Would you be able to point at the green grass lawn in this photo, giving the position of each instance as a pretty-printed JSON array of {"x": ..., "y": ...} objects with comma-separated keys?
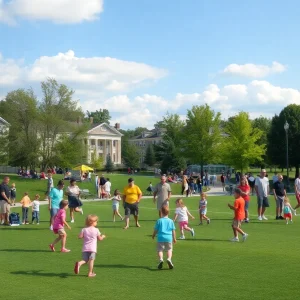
[{"x": 206, "y": 267}]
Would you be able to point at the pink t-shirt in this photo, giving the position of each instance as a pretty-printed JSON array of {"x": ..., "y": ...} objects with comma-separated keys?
[
  {"x": 59, "y": 219},
  {"x": 90, "y": 235}
]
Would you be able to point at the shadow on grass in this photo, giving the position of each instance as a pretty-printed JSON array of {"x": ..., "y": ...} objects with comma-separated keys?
[
  {"x": 202, "y": 240},
  {"x": 40, "y": 274},
  {"x": 24, "y": 250},
  {"x": 121, "y": 266},
  {"x": 25, "y": 227}
]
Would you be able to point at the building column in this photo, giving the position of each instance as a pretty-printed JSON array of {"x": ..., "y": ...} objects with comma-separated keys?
[
  {"x": 119, "y": 152},
  {"x": 104, "y": 152},
  {"x": 112, "y": 150}
]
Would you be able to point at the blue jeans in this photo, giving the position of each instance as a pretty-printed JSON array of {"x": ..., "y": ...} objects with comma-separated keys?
[
  {"x": 36, "y": 216},
  {"x": 199, "y": 186},
  {"x": 25, "y": 214}
]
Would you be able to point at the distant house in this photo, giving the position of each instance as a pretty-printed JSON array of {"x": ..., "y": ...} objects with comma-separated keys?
[
  {"x": 104, "y": 140},
  {"x": 142, "y": 141},
  {"x": 3, "y": 125}
]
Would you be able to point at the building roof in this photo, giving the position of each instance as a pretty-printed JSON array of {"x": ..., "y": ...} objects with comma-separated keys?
[
  {"x": 98, "y": 129},
  {"x": 151, "y": 134}
]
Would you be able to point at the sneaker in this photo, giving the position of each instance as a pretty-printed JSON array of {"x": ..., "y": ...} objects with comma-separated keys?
[
  {"x": 92, "y": 275},
  {"x": 81, "y": 211},
  {"x": 51, "y": 227},
  {"x": 72, "y": 221},
  {"x": 259, "y": 218},
  {"x": 37, "y": 223},
  {"x": 208, "y": 221},
  {"x": 52, "y": 247},
  {"x": 200, "y": 223},
  {"x": 2, "y": 222},
  {"x": 64, "y": 250},
  {"x": 170, "y": 264},
  {"x": 193, "y": 232},
  {"x": 295, "y": 212},
  {"x": 160, "y": 264},
  {"x": 264, "y": 218},
  {"x": 246, "y": 220},
  {"x": 234, "y": 239},
  {"x": 281, "y": 218},
  {"x": 182, "y": 238},
  {"x": 245, "y": 237},
  {"x": 277, "y": 218},
  {"x": 76, "y": 268}
]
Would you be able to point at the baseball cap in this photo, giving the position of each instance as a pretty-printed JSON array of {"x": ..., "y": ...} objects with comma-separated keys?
[{"x": 130, "y": 179}]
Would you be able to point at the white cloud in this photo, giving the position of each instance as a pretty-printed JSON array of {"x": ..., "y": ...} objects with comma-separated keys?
[
  {"x": 104, "y": 73},
  {"x": 253, "y": 71},
  {"x": 58, "y": 11}
]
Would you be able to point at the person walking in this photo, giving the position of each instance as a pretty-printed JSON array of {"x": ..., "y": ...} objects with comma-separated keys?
[
  {"x": 55, "y": 196},
  {"x": 73, "y": 193},
  {"x": 297, "y": 192},
  {"x": 132, "y": 195},
  {"x": 262, "y": 190},
  {"x": 279, "y": 192},
  {"x": 161, "y": 195}
]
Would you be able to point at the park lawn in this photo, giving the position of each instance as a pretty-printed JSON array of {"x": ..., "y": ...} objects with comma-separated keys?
[
  {"x": 37, "y": 186},
  {"x": 206, "y": 267}
]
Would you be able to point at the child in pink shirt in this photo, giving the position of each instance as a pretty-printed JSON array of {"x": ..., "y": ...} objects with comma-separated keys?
[
  {"x": 58, "y": 227},
  {"x": 90, "y": 236}
]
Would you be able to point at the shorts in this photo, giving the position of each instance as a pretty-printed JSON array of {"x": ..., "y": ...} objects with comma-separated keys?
[
  {"x": 4, "y": 207},
  {"x": 279, "y": 201},
  {"x": 115, "y": 207},
  {"x": 262, "y": 202},
  {"x": 164, "y": 246},
  {"x": 74, "y": 202},
  {"x": 288, "y": 216},
  {"x": 59, "y": 231},
  {"x": 246, "y": 204},
  {"x": 203, "y": 212},
  {"x": 53, "y": 211},
  {"x": 160, "y": 204},
  {"x": 298, "y": 197},
  {"x": 236, "y": 223},
  {"x": 183, "y": 224},
  {"x": 86, "y": 256},
  {"x": 131, "y": 209}
]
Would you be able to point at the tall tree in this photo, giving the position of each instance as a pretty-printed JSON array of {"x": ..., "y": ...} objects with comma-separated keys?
[
  {"x": 240, "y": 147},
  {"x": 277, "y": 138},
  {"x": 202, "y": 137},
  {"x": 99, "y": 116},
  {"x": 97, "y": 161},
  {"x": 150, "y": 156},
  {"x": 109, "y": 165},
  {"x": 130, "y": 154},
  {"x": 57, "y": 113}
]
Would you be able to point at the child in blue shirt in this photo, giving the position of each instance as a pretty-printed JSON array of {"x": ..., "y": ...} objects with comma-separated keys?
[{"x": 166, "y": 237}]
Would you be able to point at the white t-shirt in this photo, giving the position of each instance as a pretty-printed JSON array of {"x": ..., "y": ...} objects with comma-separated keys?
[
  {"x": 202, "y": 204},
  {"x": 297, "y": 184},
  {"x": 36, "y": 205},
  {"x": 182, "y": 214},
  {"x": 262, "y": 186},
  {"x": 107, "y": 186},
  {"x": 116, "y": 200}
]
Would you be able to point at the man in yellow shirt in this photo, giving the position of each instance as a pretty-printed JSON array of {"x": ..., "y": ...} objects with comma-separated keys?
[{"x": 131, "y": 198}]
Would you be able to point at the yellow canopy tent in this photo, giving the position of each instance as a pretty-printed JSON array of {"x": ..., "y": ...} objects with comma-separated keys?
[{"x": 83, "y": 168}]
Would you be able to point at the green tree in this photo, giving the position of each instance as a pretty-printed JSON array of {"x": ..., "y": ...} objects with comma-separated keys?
[
  {"x": 277, "y": 137},
  {"x": 97, "y": 161},
  {"x": 130, "y": 154},
  {"x": 202, "y": 136},
  {"x": 99, "y": 116},
  {"x": 109, "y": 165},
  {"x": 240, "y": 147},
  {"x": 150, "y": 156}
]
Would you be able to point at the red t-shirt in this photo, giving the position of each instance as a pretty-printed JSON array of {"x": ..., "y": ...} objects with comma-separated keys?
[
  {"x": 245, "y": 189},
  {"x": 239, "y": 205}
]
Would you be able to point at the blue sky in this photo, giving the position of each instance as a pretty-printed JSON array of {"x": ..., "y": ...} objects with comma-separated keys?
[{"x": 140, "y": 59}]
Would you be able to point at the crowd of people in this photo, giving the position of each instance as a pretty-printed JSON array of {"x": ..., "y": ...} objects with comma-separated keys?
[{"x": 131, "y": 196}]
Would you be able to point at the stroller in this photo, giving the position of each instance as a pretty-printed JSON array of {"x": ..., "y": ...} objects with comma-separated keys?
[{"x": 14, "y": 219}]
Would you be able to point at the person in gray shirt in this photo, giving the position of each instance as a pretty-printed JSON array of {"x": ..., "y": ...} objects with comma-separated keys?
[
  {"x": 161, "y": 194},
  {"x": 262, "y": 191}
]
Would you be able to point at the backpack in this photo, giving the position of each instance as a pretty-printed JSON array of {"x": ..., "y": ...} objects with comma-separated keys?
[{"x": 14, "y": 219}]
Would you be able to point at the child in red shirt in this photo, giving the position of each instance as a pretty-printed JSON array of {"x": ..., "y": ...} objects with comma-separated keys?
[{"x": 239, "y": 215}]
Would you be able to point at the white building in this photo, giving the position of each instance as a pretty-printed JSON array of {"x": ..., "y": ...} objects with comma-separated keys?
[{"x": 105, "y": 140}]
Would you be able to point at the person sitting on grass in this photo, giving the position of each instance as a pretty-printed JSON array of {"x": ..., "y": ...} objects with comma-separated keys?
[
  {"x": 58, "y": 227},
  {"x": 165, "y": 231},
  {"x": 239, "y": 215},
  {"x": 26, "y": 202},
  {"x": 182, "y": 214},
  {"x": 90, "y": 235}
]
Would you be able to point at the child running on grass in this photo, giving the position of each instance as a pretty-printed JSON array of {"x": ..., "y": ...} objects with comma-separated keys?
[
  {"x": 287, "y": 210},
  {"x": 182, "y": 214},
  {"x": 239, "y": 215},
  {"x": 203, "y": 209},
  {"x": 58, "y": 227},
  {"x": 90, "y": 235},
  {"x": 36, "y": 209},
  {"x": 25, "y": 208},
  {"x": 165, "y": 231},
  {"x": 115, "y": 205}
]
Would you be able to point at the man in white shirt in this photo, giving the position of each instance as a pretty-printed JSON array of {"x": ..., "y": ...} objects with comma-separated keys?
[
  {"x": 262, "y": 191},
  {"x": 297, "y": 191}
]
